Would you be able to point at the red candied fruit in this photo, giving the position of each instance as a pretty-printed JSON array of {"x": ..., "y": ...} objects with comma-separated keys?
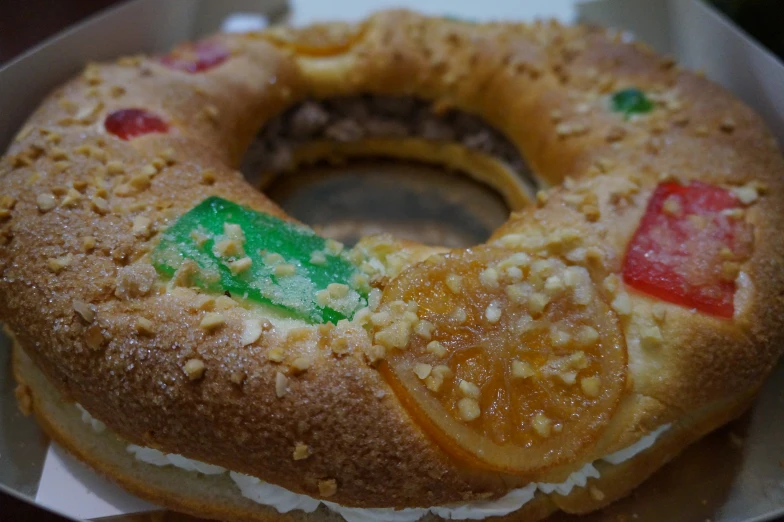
[
  {"x": 688, "y": 247},
  {"x": 196, "y": 57},
  {"x": 130, "y": 123}
]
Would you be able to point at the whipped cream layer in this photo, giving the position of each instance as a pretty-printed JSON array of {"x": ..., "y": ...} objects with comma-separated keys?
[{"x": 284, "y": 500}]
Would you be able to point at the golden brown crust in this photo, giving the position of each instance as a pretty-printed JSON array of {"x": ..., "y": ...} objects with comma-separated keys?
[
  {"x": 192, "y": 493},
  {"x": 214, "y": 496},
  {"x": 616, "y": 481},
  {"x": 544, "y": 86}
]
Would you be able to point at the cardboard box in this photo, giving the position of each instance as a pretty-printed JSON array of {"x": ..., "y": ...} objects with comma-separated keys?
[{"x": 732, "y": 475}]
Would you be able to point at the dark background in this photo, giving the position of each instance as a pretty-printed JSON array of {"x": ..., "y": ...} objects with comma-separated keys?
[
  {"x": 761, "y": 18},
  {"x": 24, "y": 23}
]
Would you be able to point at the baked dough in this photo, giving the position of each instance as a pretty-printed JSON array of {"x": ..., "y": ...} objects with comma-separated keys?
[{"x": 82, "y": 210}]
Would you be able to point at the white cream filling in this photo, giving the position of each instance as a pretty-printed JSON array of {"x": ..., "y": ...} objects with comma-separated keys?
[
  {"x": 158, "y": 458},
  {"x": 638, "y": 447},
  {"x": 97, "y": 425},
  {"x": 284, "y": 500},
  {"x": 577, "y": 478}
]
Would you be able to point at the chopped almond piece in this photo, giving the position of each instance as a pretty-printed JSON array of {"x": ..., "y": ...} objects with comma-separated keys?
[
  {"x": 301, "y": 451},
  {"x": 281, "y": 385},
  {"x": 251, "y": 331},
  {"x": 84, "y": 310},
  {"x": 327, "y": 488},
  {"x": 422, "y": 370},
  {"x": 285, "y": 270},
  {"x": 58, "y": 264},
  {"x": 46, "y": 201},
  {"x": 469, "y": 409},
  {"x": 194, "y": 369},
  {"x": 241, "y": 265},
  {"x": 301, "y": 364},
  {"x": 212, "y": 320},
  {"x": 522, "y": 370},
  {"x": 144, "y": 326}
]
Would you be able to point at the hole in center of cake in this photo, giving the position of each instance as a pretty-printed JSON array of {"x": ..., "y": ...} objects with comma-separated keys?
[
  {"x": 305, "y": 158},
  {"x": 413, "y": 201}
]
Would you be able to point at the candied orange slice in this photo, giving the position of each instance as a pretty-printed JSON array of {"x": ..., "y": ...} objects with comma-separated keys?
[
  {"x": 509, "y": 361},
  {"x": 326, "y": 39}
]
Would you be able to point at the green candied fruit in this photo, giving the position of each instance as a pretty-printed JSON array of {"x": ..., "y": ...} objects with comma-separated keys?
[
  {"x": 631, "y": 101},
  {"x": 258, "y": 257}
]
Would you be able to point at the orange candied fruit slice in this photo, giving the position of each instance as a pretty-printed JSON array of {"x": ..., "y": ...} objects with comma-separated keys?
[
  {"x": 509, "y": 361},
  {"x": 326, "y": 39}
]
